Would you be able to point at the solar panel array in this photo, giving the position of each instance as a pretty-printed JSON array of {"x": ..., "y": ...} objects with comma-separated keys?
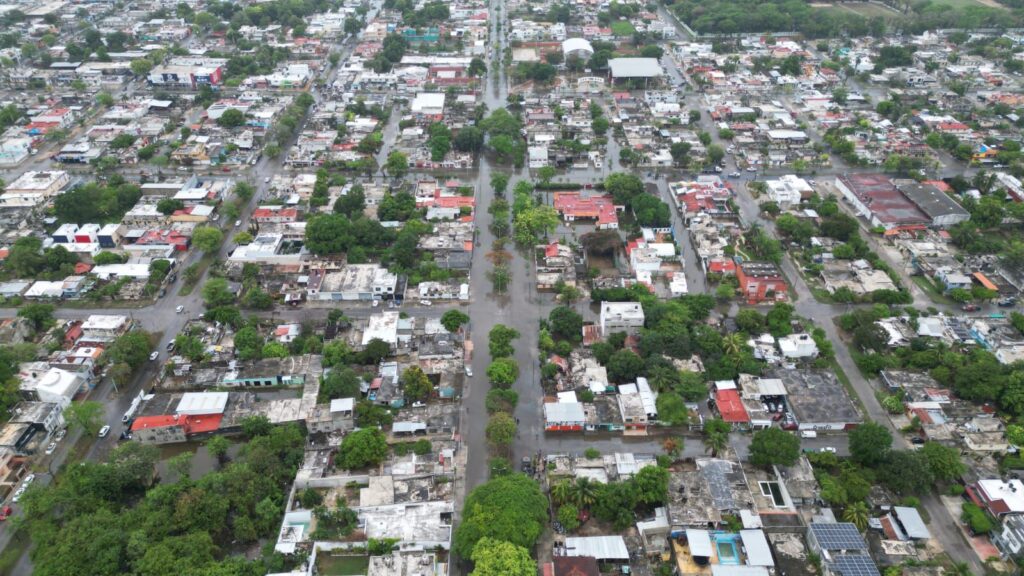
[
  {"x": 854, "y": 565},
  {"x": 839, "y": 536}
]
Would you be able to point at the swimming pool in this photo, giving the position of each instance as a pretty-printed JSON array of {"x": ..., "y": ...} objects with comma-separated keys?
[{"x": 725, "y": 545}]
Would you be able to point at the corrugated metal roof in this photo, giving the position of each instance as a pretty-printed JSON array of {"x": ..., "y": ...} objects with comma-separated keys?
[
  {"x": 635, "y": 67},
  {"x": 911, "y": 521},
  {"x": 564, "y": 412},
  {"x": 727, "y": 570},
  {"x": 756, "y": 547},
  {"x": 700, "y": 542},
  {"x": 600, "y": 547},
  {"x": 399, "y": 427}
]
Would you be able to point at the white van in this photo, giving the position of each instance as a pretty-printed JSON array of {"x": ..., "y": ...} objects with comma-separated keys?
[{"x": 808, "y": 434}]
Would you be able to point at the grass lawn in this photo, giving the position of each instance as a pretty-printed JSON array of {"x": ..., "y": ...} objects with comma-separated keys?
[
  {"x": 342, "y": 565},
  {"x": 865, "y": 9},
  {"x": 622, "y": 28},
  {"x": 203, "y": 264},
  {"x": 85, "y": 303},
  {"x": 959, "y": 4},
  {"x": 931, "y": 290},
  {"x": 12, "y": 553},
  {"x": 848, "y": 386}
]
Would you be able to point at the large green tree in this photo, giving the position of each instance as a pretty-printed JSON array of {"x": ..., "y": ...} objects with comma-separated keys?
[
  {"x": 362, "y": 448},
  {"x": 503, "y": 372},
  {"x": 416, "y": 385},
  {"x": 40, "y": 316},
  {"x": 454, "y": 319},
  {"x": 869, "y": 444},
  {"x": 131, "y": 348},
  {"x": 499, "y": 558},
  {"x": 86, "y": 416},
  {"x": 207, "y": 238},
  {"x": 501, "y": 430},
  {"x": 511, "y": 508},
  {"x": 774, "y": 446},
  {"x": 566, "y": 324}
]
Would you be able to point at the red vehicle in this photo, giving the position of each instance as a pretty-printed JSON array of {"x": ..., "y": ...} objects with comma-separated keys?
[{"x": 5, "y": 513}]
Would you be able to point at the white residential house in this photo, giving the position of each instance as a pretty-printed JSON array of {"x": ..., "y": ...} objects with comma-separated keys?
[
  {"x": 798, "y": 346},
  {"x": 788, "y": 190},
  {"x": 621, "y": 317}
]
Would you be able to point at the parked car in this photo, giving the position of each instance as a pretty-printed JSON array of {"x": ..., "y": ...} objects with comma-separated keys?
[
  {"x": 238, "y": 223},
  {"x": 179, "y": 309},
  {"x": 170, "y": 345},
  {"x": 1007, "y": 303},
  {"x": 970, "y": 307},
  {"x": 266, "y": 180},
  {"x": 734, "y": 175},
  {"x": 426, "y": 303},
  {"x": 828, "y": 449},
  {"x": 154, "y": 355},
  {"x": 104, "y": 431},
  {"x": 5, "y": 513},
  {"x": 469, "y": 371},
  {"x": 526, "y": 465},
  {"x": 51, "y": 448}
]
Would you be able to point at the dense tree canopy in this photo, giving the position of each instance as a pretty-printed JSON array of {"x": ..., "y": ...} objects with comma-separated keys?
[
  {"x": 870, "y": 443},
  {"x": 774, "y": 446},
  {"x": 510, "y": 508},
  {"x": 109, "y": 518},
  {"x": 96, "y": 203},
  {"x": 362, "y": 448}
]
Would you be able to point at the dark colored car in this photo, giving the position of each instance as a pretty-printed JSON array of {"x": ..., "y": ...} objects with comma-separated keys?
[{"x": 970, "y": 307}]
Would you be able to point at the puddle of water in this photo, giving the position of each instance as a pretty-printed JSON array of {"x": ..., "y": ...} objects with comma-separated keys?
[{"x": 202, "y": 461}]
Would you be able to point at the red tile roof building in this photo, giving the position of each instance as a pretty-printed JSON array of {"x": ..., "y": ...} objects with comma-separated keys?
[
  {"x": 277, "y": 215},
  {"x": 876, "y": 198},
  {"x": 761, "y": 282},
  {"x": 574, "y": 206},
  {"x": 730, "y": 406},
  {"x": 169, "y": 428},
  {"x": 179, "y": 241}
]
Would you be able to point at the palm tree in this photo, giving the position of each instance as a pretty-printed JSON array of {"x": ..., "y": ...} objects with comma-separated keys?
[
  {"x": 584, "y": 493},
  {"x": 715, "y": 442},
  {"x": 733, "y": 344},
  {"x": 562, "y": 492},
  {"x": 857, "y": 514}
]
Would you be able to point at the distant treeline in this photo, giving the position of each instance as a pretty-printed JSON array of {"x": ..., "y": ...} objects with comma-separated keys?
[{"x": 741, "y": 16}]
